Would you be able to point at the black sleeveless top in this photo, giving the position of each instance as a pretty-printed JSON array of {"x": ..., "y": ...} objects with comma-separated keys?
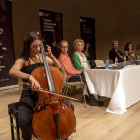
[
  {"x": 26, "y": 92},
  {"x": 28, "y": 69}
]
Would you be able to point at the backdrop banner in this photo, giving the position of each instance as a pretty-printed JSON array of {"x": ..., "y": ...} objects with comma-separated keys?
[
  {"x": 7, "y": 55},
  {"x": 51, "y": 29},
  {"x": 87, "y": 27}
]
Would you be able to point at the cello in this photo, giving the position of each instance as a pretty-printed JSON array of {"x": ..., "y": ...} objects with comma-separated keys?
[{"x": 53, "y": 119}]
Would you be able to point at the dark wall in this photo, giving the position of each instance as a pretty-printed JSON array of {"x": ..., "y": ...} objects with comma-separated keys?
[{"x": 117, "y": 19}]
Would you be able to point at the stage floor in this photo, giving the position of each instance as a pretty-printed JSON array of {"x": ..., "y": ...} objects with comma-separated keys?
[{"x": 93, "y": 122}]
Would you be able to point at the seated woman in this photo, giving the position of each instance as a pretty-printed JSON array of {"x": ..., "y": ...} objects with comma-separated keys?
[
  {"x": 79, "y": 59},
  {"x": 30, "y": 59},
  {"x": 128, "y": 51}
]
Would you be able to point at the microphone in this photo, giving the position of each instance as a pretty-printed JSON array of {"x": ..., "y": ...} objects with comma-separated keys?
[{"x": 132, "y": 56}]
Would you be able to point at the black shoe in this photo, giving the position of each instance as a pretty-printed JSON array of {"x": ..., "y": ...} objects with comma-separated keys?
[
  {"x": 96, "y": 103},
  {"x": 87, "y": 98},
  {"x": 93, "y": 102}
]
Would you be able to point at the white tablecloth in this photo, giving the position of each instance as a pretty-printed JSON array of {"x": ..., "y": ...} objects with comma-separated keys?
[{"x": 122, "y": 86}]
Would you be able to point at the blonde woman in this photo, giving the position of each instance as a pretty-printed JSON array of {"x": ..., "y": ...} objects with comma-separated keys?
[{"x": 79, "y": 59}]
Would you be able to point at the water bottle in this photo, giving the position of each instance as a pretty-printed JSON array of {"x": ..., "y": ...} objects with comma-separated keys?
[
  {"x": 124, "y": 60},
  {"x": 116, "y": 60},
  {"x": 107, "y": 62},
  {"x": 138, "y": 57}
]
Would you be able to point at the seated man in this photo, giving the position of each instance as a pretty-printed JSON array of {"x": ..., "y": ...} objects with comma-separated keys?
[
  {"x": 70, "y": 70},
  {"x": 115, "y": 52}
]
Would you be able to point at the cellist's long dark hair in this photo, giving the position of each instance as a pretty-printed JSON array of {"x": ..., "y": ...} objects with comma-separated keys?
[{"x": 28, "y": 39}]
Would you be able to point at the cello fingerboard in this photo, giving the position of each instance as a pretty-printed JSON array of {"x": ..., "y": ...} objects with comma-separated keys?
[{"x": 47, "y": 70}]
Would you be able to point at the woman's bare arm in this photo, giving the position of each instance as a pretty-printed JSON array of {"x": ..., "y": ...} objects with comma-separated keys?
[
  {"x": 15, "y": 70},
  {"x": 53, "y": 61}
]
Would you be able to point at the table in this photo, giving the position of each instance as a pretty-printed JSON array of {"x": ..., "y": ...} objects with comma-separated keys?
[{"x": 122, "y": 86}]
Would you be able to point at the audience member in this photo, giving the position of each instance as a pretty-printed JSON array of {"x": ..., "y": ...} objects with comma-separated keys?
[
  {"x": 79, "y": 59},
  {"x": 128, "y": 50},
  {"x": 115, "y": 52}
]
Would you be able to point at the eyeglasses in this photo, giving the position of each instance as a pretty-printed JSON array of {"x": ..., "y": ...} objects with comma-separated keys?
[
  {"x": 64, "y": 47},
  {"x": 35, "y": 46}
]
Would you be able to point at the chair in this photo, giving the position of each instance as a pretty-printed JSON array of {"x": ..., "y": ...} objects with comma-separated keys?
[
  {"x": 13, "y": 112},
  {"x": 99, "y": 63},
  {"x": 70, "y": 85}
]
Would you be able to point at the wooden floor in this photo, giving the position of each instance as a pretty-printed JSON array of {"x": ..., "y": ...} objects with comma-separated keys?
[{"x": 93, "y": 122}]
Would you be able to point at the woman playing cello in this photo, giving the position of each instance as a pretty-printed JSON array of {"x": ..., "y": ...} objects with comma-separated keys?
[{"x": 30, "y": 59}]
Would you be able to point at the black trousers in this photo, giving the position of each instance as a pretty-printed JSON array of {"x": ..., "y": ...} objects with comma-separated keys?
[
  {"x": 26, "y": 105},
  {"x": 75, "y": 78}
]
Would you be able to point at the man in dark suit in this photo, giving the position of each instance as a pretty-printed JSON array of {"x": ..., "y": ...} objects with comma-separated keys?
[{"x": 115, "y": 52}]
